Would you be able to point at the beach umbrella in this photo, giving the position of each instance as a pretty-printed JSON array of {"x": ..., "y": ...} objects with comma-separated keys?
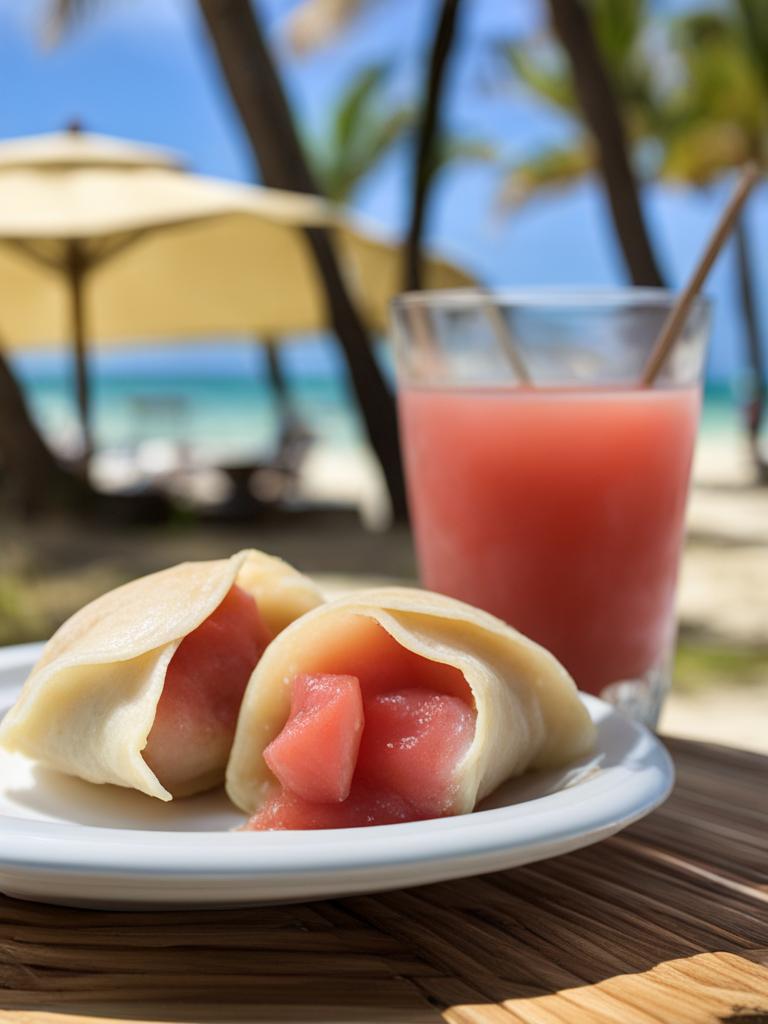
[{"x": 105, "y": 240}]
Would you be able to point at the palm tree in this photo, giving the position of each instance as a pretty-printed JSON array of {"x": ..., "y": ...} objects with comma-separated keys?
[
  {"x": 426, "y": 159},
  {"x": 713, "y": 120},
  {"x": 593, "y": 64},
  {"x": 316, "y": 23},
  {"x": 34, "y": 480},
  {"x": 254, "y": 85},
  {"x": 595, "y": 91},
  {"x": 719, "y": 119}
]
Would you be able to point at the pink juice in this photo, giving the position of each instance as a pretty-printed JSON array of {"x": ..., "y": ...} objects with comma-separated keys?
[{"x": 560, "y": 511}]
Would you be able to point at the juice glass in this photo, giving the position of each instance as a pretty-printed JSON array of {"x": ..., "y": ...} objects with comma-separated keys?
[{"x": 546, "y": 485}]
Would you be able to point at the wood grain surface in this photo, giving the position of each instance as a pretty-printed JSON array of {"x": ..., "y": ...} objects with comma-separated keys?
[{"x": 665, "y": 924}]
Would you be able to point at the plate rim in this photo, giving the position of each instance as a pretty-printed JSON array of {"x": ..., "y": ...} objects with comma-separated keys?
[{"x": 599, "y": 806}]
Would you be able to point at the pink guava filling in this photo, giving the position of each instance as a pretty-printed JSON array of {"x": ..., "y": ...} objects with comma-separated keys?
[
  {"x": 411, "y": 745},
  {"x": 287, "y": 812},
  {"x": 361, "y": 750},
  {"x": 314, "y": 756},
  {"x": 204, "y": 685}
]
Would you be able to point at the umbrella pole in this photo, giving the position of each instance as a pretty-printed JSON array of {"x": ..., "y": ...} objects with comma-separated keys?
[
  {"x": 277, "y": 381},
  {"x": 77, "y": 268},
  {"x": 276, "y": 375}
]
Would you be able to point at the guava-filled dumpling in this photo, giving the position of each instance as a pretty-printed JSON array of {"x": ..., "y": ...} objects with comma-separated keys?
[
  {"x": 397, "y": 705},
  {"x": 142, "y": 686}
]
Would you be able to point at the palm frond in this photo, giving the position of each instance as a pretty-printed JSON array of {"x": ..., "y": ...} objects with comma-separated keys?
[
  {"x": 542, "y": 72},
  {"x": 754, "y": 24},
  {"x": 720, "y": 81},
  {"x": 703, "y": 152},
  {"x": 452, "y": 149},
  {"x": 347, "y": 168},
  {"x": 358, "y": 103},
  {"x": 362, "y": 127},
  {"x": 555, "y": 168},
  {"x": 618, "y": 27}
]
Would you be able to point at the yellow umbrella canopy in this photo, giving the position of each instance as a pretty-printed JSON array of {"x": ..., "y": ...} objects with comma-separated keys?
[{"x": 106, "y": 240}]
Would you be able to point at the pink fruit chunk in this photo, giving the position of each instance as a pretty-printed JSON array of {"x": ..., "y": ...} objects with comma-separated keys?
[
  {"x": 412, "y": 743},
  {"x": 314, "y": 756},
  {"x": 364, "y": 806},
  {"x": 195, "y": 719}
]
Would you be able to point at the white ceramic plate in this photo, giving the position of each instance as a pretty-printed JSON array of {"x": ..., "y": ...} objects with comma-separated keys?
[{"x": 67, "y": 841}]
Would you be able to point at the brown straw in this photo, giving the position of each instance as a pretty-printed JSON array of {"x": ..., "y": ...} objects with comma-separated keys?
[
  {"x": 506, "y": 340},
  {"x": 677, "y": 316}
]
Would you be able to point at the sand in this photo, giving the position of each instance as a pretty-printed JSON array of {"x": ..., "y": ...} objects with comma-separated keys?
[{"x": 733, "y": 716}]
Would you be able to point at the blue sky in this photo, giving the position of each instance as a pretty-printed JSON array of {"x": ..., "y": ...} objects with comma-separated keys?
[{"x": 142, "y": 69}]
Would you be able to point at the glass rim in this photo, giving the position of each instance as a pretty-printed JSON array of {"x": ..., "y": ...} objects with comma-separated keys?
[{"x": 546, "y": 297}]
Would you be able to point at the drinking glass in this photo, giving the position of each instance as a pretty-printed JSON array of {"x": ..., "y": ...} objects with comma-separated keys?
[{"x": 545, "y": 483}]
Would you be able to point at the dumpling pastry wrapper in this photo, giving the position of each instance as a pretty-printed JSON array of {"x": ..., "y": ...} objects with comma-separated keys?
[
  {"x": 528, "y": 712},
  {"x": 90, "y": 702}
]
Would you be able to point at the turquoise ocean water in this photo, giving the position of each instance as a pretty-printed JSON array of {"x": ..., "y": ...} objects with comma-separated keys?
[
  {"x": 223, "y": 415},
  {"x": 234, "y": 415}
]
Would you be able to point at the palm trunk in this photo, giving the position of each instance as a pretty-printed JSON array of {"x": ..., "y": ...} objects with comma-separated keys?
[
  {"x": 253, "y": 82},
  {"x": 755, "y": 409},
  {"x": 427, "y": 136},
  {"x": 601, "y": 112},
  {"x": 35, "y": 481}
]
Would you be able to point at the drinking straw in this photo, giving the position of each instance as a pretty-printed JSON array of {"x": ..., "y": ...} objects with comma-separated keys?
[
  {"x": 510, "y": 347},
  {"x": 505, "y": 338},
  {"x": 677, "y": 315}
]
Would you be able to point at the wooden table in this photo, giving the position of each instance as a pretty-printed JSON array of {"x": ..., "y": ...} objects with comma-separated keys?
[{"x": 667, "y": 922}]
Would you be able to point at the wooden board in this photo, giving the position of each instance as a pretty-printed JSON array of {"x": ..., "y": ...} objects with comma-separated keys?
[{"x": 667, "y": 922}]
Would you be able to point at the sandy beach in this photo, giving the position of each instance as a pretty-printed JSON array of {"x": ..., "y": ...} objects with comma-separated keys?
[{"x": 723, "y": 599}]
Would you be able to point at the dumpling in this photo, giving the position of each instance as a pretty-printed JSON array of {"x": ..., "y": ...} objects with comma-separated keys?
[
  {"x": 142, "y": 687},
  {"x": 396, "y": 705}
]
